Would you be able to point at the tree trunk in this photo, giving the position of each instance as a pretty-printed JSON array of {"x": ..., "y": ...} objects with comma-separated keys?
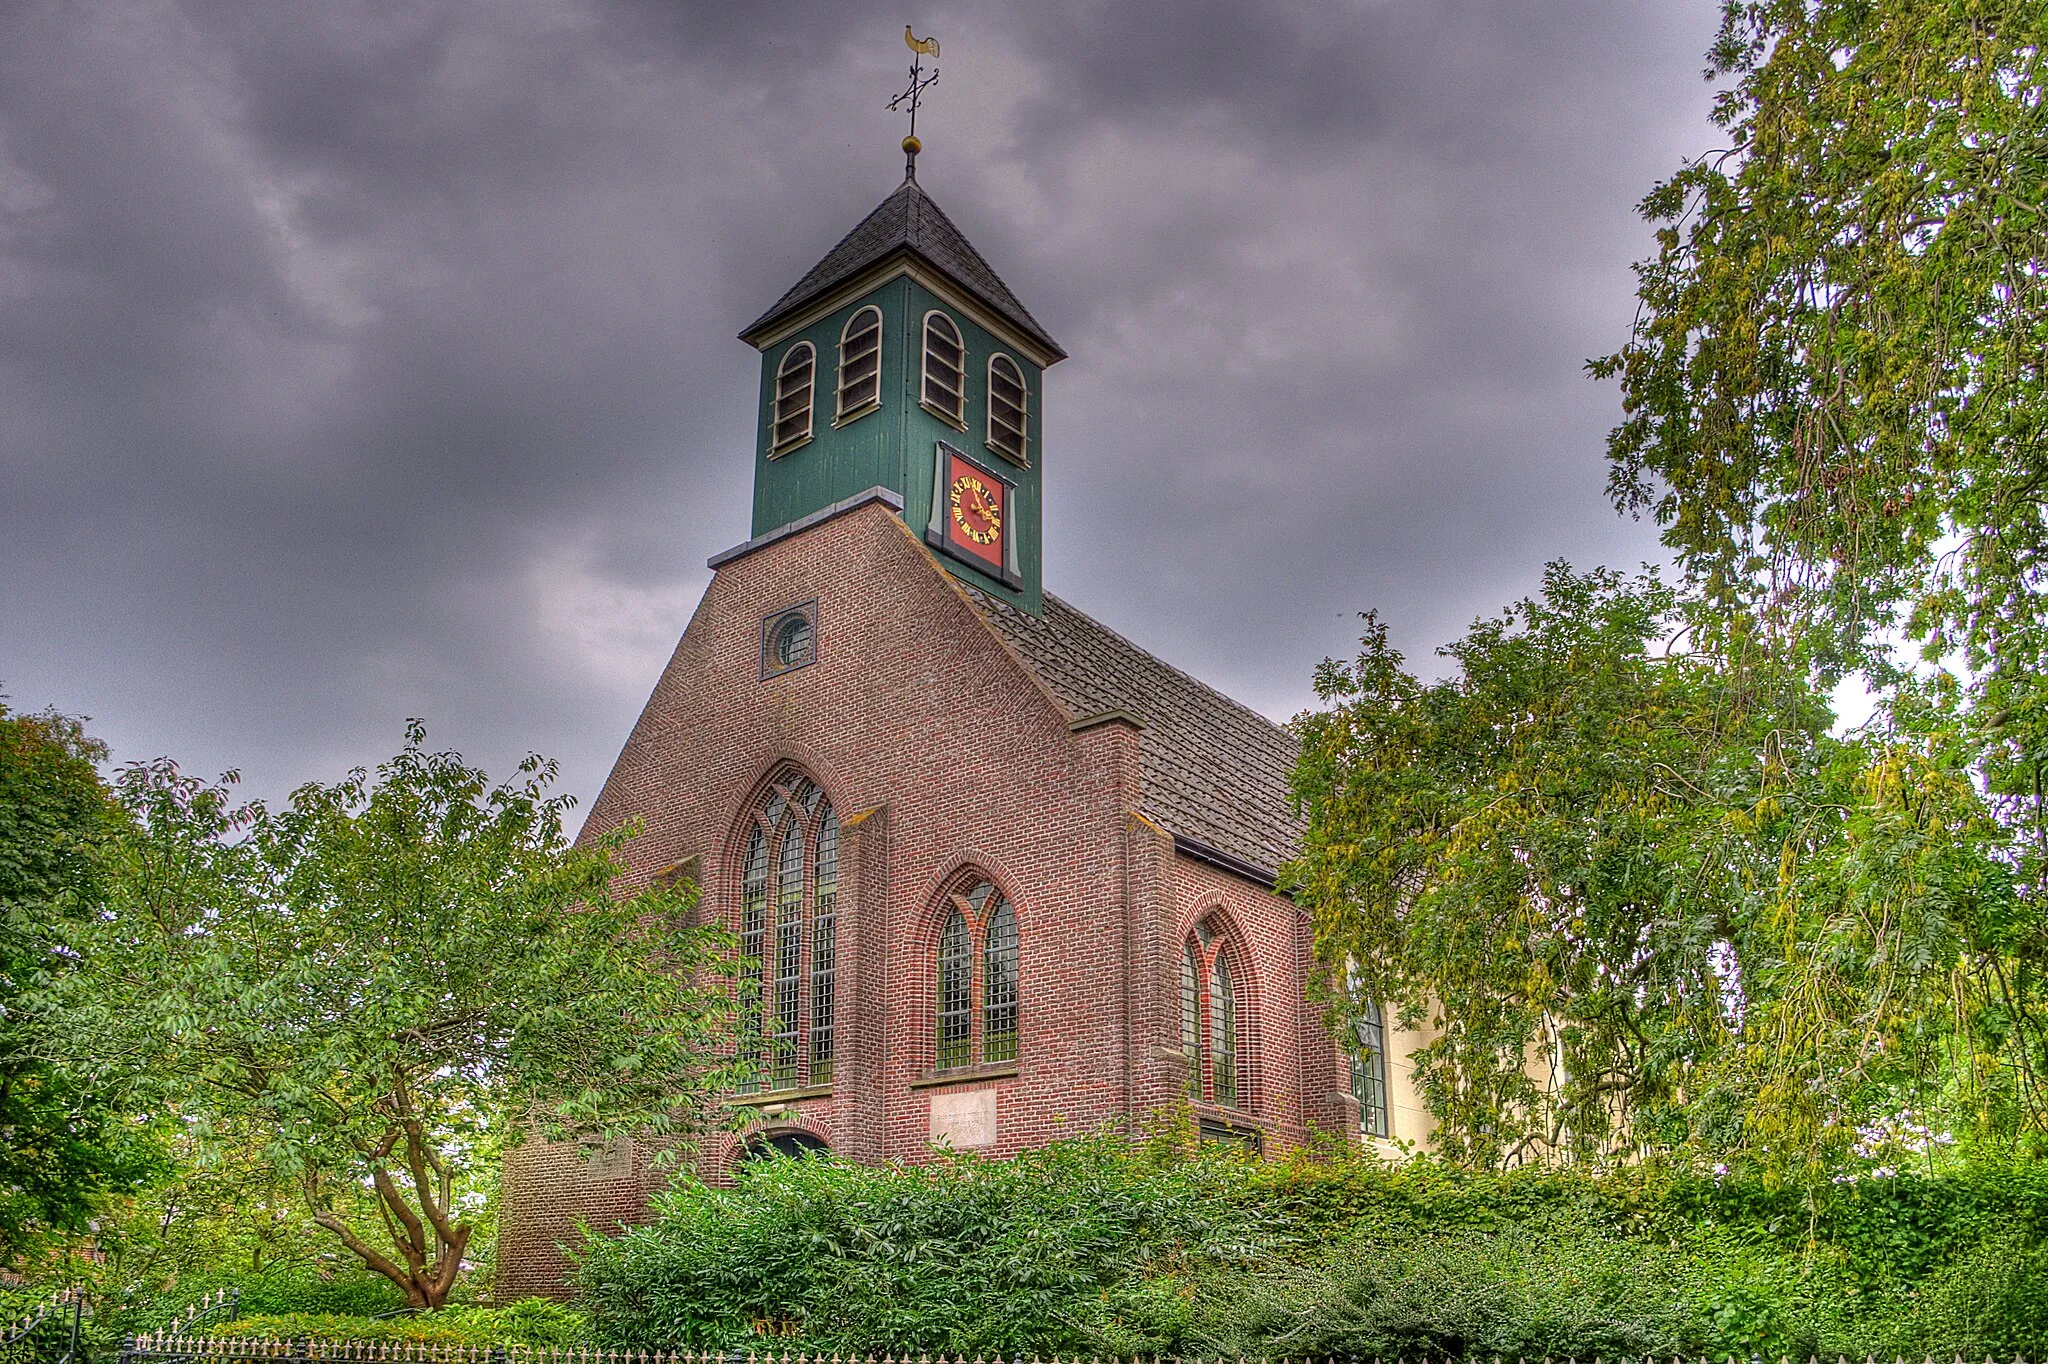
[{"x": 426, "y": 1250}]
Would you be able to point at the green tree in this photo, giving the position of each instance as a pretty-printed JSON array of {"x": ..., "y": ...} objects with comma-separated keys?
[
  {"x": 1641, "y": 908},
  {"x": 384, "y": 977},
  {"x": 1834, "y": 394},
  {"x": 64, "y": 1142}
]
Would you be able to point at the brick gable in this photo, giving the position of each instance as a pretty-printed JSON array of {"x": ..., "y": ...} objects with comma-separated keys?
[{"x": 948, "y": 760}]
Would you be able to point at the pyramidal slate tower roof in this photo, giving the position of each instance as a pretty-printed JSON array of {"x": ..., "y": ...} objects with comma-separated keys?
[{"x": 907, "y": 222}]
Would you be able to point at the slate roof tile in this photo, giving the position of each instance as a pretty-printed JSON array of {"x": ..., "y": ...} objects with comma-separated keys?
[
  {"x": 1214, "y": 771},
  {"x": 908, "y": 220}
]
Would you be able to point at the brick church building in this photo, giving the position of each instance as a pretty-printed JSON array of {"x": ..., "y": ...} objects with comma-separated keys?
[{"x": 1010, "y": 877}]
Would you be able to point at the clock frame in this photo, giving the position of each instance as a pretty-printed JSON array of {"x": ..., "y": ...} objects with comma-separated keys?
[{"x": 972, "y": 514}]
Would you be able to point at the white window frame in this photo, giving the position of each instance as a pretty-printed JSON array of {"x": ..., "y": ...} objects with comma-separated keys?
[
  {"x": 841, "y": 412},
  {"x": 775, "y": 412},
  {"x": 1021, "y": 456},
  {"x": 957, "y": 418}
]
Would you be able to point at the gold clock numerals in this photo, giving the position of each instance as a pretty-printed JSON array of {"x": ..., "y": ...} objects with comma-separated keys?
[{"x": 975, "y": 509}]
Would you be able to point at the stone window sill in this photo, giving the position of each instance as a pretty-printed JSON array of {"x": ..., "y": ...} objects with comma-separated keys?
[
  {"x": 1234, "y": 1117},
  {"x": 932, "y": 1079},
  {"x": 779, "y": 1096}
]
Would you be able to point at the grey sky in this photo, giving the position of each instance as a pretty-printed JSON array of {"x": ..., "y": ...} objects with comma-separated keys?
[{"x": 361, "y": 360}]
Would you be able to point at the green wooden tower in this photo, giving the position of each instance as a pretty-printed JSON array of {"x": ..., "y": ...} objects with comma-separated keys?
[{"x": 902, "y": 361}]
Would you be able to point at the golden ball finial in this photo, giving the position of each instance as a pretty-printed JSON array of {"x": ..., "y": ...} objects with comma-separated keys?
[{"x": 912, "y": 145}]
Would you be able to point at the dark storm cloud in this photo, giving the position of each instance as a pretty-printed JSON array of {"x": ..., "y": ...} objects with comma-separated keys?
[{"x": 362, "y": 360}]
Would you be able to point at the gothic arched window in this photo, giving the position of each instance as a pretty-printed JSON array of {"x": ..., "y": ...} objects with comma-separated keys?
[
  {"x": 824, "y": 945},
  {"x": 795, "y": 379},
  {"x": 1007, "y": 405},
  {"x": 789, "y": 951},
  {"x": 1223, "y": 1032},
  {"x": 978, "y": 1015},
  {"x": 789, "y": 902},
  {"x": 945, "y": 368},
  {"x": 753, "y": 932},
  {"x": 956, "y": 993},
  {"x": 1210, "y": 1015},
  {"x": 999, "y": 986},
  {"x": 860, "y": 364}
]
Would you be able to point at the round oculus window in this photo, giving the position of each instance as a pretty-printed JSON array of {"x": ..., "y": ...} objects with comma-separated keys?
[{"x": 793, "y": 642}]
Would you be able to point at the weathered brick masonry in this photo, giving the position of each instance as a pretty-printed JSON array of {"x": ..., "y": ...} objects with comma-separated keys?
[{"x": 944, "y": 753}]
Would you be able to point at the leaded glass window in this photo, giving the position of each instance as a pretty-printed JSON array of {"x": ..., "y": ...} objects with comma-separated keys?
[
  {"x": 860, "y": 362},
  {"x": 1191, "y": 1011},
  {"x": 1223, "y": 1033},
  {"x": 753, "y": 931},
  {"x": 956, "y": 1008},
  {"x": 1006, "y": 408},
  {"x": 999, "y": 986},
  {"x": 824, "y": 945},
  {"x": 794, "y": 381},
  {"x": 789, "y": 953},
  {"x": 945, "y": 367},
  {"x": 1369, "y": 1071}
]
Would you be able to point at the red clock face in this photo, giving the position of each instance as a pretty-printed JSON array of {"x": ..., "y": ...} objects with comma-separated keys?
[{"x": 976, "y": 514}]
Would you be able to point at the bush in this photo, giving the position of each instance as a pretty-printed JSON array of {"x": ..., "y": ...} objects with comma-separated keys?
[
  {"x": 1558, "y": 1286},
  {"x": 1103, "y": 1246},
  {"x": 1080, "y": 1247},
  {"x": 286, "y": 1290},
  {"x": 532, "y": 1321}
]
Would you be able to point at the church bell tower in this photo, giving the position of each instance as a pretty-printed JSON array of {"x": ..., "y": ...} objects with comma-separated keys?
[{"x": 902, "y": 361}]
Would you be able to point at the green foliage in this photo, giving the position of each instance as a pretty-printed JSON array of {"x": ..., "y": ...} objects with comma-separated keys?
[
  {"x": 533, "y": 1322},
  {"x": 65, "y": 1144},
  {"x": 1101, "y": 1246},
  {"x": 372, "y": 988},
  {"x": 1552, "y": 1287},
  {"x": 1642, "y": 897},
  {"x": 1838, "y": 363},
  {"x": 1836, "y": 401},
  {"x": 345, "y": 1290},
  {"x": 218, "y": 1221},
  {"x": 1078, "y": 1247}
]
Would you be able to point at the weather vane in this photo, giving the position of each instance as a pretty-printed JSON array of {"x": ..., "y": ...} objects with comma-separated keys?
[{"x": 913, "y": 94}]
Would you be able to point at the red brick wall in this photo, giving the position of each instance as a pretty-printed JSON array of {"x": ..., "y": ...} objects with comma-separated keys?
[{"x": 942, "y": 754}]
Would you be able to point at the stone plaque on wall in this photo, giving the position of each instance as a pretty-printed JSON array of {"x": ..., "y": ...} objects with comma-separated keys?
[
  {"x": 965, "y": 1118},
  {"x": 609, "y": 1160}
]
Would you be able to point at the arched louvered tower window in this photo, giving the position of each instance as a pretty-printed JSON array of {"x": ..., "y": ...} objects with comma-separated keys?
[
  {"x": 860, "y": 364},
  {"x": 945, "y": 368},
  {"x": 795, "y": 382},
  {"x": 1008, "y": 403},
  {"x": 1223, "y": 1032},
  {"x": 956, "y": 993},
  {"x": 824, "y": 945},
  {"x": 999, "y": 985},
  {"x": 753, "y": 934}
]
